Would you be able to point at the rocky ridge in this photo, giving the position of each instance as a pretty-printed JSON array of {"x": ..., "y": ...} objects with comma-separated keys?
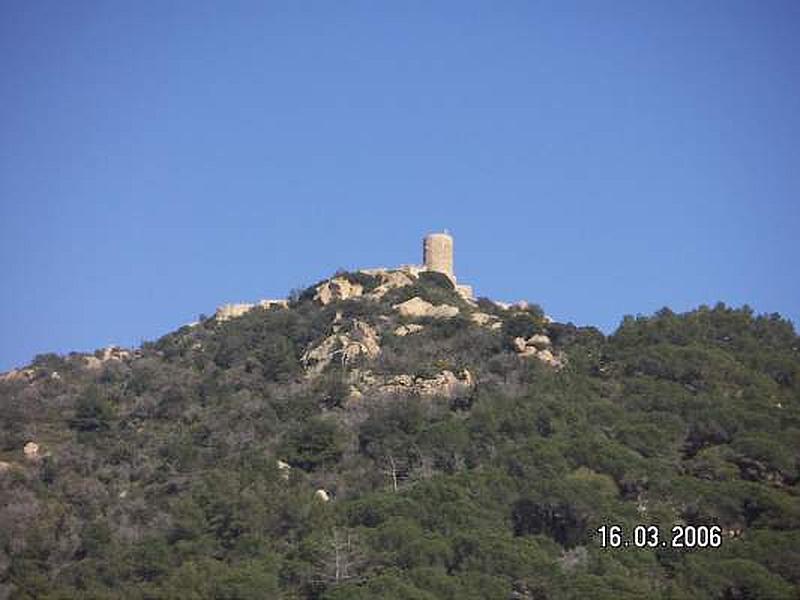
[{"x": 352, "y": 343}]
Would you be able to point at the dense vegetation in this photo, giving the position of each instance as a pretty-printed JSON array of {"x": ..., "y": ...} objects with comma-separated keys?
[{"x": 159, "y": 475}]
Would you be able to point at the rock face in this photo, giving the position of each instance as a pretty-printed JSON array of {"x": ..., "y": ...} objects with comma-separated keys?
[
  {"x": 340, "y": 288},
  {"x": 360, "y": 340},
  {"x": 337, "y": 288},
  {"x": 417, "y": 307}
]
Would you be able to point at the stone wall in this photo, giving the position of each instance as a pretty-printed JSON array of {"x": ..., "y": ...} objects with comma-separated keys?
[{"x": 231, "y": 311}]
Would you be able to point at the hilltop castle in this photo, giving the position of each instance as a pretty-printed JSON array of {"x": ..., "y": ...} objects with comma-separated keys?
[{"x": 437, "y": 256}]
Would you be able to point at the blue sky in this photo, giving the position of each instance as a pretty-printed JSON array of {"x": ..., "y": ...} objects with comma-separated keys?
[{"x": 601, "y": 159}]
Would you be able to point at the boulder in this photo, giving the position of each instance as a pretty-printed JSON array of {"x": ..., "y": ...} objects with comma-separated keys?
[
  {"x": 107, "y": 354},
  {"x": 31, "y": 451},
  {"x": 92, "y": 362},
  {"x": 284, "y": 468},
  {"x": 405, "y": 330},
  {"x": 522, "y": 347},
  {"x": 547, "y": 357},
  {"x": 417, "y": 307},
  {"x": 482, "y": 318},
  {"x": 540, "y": 341}
]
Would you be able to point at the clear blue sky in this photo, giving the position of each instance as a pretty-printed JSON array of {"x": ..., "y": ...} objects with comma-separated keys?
[{"x": 599, "y": 158}]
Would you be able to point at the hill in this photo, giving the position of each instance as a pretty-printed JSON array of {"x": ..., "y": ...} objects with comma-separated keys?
[{"x": 383, "y": 436}]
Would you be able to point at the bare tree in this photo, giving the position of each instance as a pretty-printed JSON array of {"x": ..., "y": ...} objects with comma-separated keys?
[
  {"x": 342, "y": 559},
  {"x": 391, "y": 471}
]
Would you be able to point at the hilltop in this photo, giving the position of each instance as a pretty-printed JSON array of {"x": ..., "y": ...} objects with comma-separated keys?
[{"x": 385, "y": 434}]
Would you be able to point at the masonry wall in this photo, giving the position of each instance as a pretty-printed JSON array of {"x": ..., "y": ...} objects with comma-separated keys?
[{"x": 437, "y": 253}]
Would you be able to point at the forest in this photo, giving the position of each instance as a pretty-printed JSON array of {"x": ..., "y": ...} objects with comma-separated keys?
[{"x": 211, "y": 464}]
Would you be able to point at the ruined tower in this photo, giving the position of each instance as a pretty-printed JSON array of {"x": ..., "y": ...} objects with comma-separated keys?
[{"x": 437, "y": 253}]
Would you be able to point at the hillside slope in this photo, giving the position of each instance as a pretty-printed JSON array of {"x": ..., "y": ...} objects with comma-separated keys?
[{"x": 384, "y": 437}]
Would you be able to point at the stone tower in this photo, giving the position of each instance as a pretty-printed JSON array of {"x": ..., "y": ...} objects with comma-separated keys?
[{"x": 437, "y": 253}]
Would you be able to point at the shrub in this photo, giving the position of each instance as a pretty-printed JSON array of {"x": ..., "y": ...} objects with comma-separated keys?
[{"x": 314, "y": 444}]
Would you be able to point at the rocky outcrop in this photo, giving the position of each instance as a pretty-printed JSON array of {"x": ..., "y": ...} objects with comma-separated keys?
[
  {"x": 347, "y": 345},
  {"x": 391, "y": 280},
  {"x": 417, "y": 307},
  {"x": 547, "y": 357},
  {"x": 111, "y": 353},
  {"x": 486, "y": 320},
  {"x": 338, "y": 288},
  {"x": 539, "y": 346},
  {"x": 445, "y": 384},
  {"x": 539, "y": 341},
  {"x": 404, "y": 330},
  {"x": 481, "y": 318},
  {"x": 519, "y": 304},
  {"x": 522, "y": 347},
  {"x": 26, "y": 375}
]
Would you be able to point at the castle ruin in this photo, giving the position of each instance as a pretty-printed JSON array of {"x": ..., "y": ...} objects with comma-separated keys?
[
  {"x": 437, "y": 256},
  {"x": 437, "y": 253}
]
